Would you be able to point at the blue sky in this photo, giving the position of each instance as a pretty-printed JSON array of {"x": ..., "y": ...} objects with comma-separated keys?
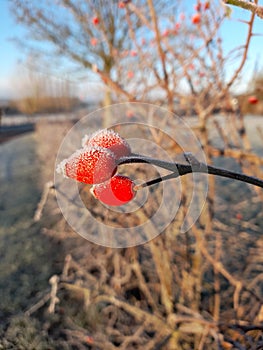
[
  {"x": 233, "y": 34},
  {"x": 9, "y": 53}
]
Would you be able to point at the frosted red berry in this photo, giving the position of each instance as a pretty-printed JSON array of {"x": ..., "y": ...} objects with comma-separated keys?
[
  {"x": 118, "y": 190},
  {"x": 196, "y": 18},
  {"x": 253, "y": 100},
  {"x": 108, "y": 139},
  {"x": 90, "y": 165}
]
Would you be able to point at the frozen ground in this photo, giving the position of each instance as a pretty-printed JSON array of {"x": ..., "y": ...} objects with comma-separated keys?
[{"x": 25, "y": 254}]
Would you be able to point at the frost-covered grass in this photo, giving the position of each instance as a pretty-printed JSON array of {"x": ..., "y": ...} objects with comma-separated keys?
[{"x": 25, "y": 253}]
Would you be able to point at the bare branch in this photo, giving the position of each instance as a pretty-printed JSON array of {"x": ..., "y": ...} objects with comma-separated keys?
[{"x": 247, "y": 5}]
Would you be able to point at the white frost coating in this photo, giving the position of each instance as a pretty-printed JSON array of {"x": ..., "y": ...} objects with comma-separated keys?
[
  {"x": 107, "y": 134},
  {"x": 86, "y": 151},
  {"x": 90, "y": 150},
  {"x": 61, "y": 168},
  {"x": 110, "y": 138},
  {"x": 85, "y": 140},
  {"x": 92, "y": 191}
]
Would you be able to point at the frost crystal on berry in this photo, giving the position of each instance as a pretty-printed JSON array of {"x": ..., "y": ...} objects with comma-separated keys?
[
  {"x": 108, "y": 139},
  {"x": 90, "y": 165}
]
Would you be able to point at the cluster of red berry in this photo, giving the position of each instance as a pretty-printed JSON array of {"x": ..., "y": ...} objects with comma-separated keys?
[
  {"x": 96, "y": 163},
  {"x": 196, "y": 18}
]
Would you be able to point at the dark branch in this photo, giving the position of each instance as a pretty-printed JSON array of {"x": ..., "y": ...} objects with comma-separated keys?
[{"x": 178, "y": 169}]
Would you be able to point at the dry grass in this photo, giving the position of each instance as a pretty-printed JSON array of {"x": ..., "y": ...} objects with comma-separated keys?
[{"x": 198, "y": 290}]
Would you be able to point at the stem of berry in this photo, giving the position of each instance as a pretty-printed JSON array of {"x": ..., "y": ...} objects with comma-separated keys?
[
  {"x": 182, "y": 169},
  {"x": 155, "y": 181}
]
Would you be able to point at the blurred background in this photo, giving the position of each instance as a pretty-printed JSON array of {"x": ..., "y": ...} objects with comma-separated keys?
[{"x": 63, "y": 59}]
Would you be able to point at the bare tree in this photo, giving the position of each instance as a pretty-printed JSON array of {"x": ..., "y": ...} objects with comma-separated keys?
[{"x": 85, "y": 34}]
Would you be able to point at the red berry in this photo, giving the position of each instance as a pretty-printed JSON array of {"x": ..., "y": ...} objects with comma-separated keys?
[
  {"x": 177, "y": 26},
  {"x": 207, "y": 5},
  {"x": 198, "y": 6},
  {"x": 117, "y": 191},
  {"x": 239, "y": 216},
  {"x": 129, "y": 114},
  {"x": 90, "y": 165},
  {"x": 166, "y": 33},
  {"x": 121, "y": 5},
  {"x": 130, "y": 74},
  {"x": 253, "y": 100},
  {"x": 182, "y": 16},
  {"x": 93, "y": 41},
  {"x": 108, "y": 139},
  {"x": 133, "y": 53},
  {"x": 95, "y": 20},
  {"x": 196, "y": 18},
  {"x": 89, "y": 340}
]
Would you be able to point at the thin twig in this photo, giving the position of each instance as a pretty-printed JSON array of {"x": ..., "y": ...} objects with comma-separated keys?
[
  {"x": 54, "y": 280},
  {"x": 38, "y": 305},
  {"x": 47, "y": 188}
]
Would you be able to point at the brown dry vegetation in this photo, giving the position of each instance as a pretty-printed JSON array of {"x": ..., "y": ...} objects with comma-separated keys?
[
  {"x": 197, "y": 290},
  {"x": 47, "y": 104}
]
